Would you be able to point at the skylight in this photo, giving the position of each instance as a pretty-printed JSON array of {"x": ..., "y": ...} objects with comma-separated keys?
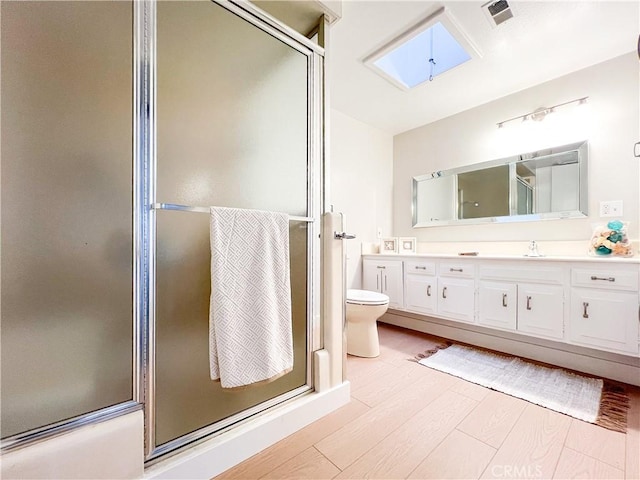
[{"x": 428, "y": 50}]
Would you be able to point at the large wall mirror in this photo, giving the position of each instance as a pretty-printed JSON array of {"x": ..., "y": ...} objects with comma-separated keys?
[{"x": 546, "y": 184}]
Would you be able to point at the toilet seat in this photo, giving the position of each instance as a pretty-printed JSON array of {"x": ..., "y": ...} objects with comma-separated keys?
[{"x": 366, "y": 297}]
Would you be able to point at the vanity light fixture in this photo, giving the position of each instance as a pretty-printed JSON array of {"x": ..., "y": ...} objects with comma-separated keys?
[{"x": 539, "y": 114}]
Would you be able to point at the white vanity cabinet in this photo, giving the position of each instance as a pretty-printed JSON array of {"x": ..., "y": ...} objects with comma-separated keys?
[
  {"x": 442, "y": 289},
  {"x": 587, "y": 302},
  {"x": 384, "y": 276},
  {"x": 581, "y": 313},
  {"x": 420, "y": 287},
  {"x": 605, "y": 308},
  {"x": 456, "y": 291},
  {"x": 523, "y": 297}
]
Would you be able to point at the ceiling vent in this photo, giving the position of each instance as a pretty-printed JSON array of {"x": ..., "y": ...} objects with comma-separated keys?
[{"x": 497, "y": 12}]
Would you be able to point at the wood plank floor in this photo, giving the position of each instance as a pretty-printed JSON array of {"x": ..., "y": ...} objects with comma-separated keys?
[{"x": 408, "y": 421}]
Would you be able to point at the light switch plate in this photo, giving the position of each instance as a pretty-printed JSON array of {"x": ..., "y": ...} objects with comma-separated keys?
[{"x": 611, "y": 208}]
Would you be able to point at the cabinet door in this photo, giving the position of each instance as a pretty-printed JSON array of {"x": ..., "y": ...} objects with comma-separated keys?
[
  {"x": 456, "y": 298},
  {"x": 604, "y": 319},
  {"x": 371, "y": 276},
  {"x": 498, "y": 305},
  {"x": 421, "y": 294},
  {"x": 391, "y": 282},
  {"x": 541, "y": 310}
]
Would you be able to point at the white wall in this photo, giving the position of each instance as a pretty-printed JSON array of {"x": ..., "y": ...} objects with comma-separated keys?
[
  {"x": 361, "y": 184},
  {"x": 610, "y": 123}
]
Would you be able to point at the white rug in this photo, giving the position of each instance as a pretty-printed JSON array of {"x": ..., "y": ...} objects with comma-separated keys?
[{"x": 553, "y": 388}]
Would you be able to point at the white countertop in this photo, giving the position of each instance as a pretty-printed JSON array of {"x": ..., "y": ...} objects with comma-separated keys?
[{"x": 546, "y": 258}]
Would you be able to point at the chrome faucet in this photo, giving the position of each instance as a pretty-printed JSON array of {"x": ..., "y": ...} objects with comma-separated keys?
[{"x": 533, "y": 249}]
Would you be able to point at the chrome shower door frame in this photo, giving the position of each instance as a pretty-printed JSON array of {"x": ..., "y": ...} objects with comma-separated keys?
[{"x": 145, "y": 165}]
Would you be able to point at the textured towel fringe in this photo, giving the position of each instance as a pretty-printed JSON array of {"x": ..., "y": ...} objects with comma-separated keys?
[
  {"x": 431, "y": 351},
  {"x": 614, "y": 405}
]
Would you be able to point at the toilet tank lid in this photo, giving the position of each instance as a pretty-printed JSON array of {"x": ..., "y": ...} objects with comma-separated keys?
[{"x": 366, "y": 296}]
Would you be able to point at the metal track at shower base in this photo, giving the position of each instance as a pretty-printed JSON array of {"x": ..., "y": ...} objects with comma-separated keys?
[
  {"x": 180, "y": 444},
  {"x": 68, "y": 425}
]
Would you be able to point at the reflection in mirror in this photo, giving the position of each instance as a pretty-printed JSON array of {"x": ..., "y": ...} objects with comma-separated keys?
[
  {"x": 432, "y": 195},
  {"x": 555, "y": 179},
  {"x": 484, "y": 193},
  {"x": 546, "y": 184}
]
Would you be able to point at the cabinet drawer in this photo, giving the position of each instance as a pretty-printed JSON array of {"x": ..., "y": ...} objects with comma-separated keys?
[
  {"x": 420, "y": 268},
  {"x": 381, "y": 264},
  {"x": 457, "y": 269},
  {"x": 614, "y": 279},
  {"x": 522, "y": 272}
]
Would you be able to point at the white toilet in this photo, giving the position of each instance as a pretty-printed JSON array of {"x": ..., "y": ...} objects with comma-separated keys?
[{"x": 363, "y": 309}]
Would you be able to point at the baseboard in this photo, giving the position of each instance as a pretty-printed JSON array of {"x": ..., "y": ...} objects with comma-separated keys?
[
  {"x": 208, "y": 459},
  {"x": 603, "y": 364}
]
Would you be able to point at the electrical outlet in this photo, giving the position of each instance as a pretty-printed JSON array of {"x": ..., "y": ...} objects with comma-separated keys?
[
  {"x": 616, "y": 208},
  {"x": 611, "y": 208}
]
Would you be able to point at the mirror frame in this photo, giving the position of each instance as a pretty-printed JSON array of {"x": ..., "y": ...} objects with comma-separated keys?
[{"x": 583, "y": 207}]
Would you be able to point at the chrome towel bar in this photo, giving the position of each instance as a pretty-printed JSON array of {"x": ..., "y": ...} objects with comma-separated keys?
[{"x": 188, "y": 208}]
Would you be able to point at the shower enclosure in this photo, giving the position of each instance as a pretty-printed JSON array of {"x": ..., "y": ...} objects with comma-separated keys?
[{"x": 227, "y": 111}]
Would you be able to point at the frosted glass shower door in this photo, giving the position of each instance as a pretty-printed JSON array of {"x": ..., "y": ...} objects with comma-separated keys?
[
  {"x": 232, "y": 130},
  {"x": 67, "y": 161}
]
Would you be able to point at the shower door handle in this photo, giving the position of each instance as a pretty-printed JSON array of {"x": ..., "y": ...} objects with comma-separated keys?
[{"x": 343, "y": 236}]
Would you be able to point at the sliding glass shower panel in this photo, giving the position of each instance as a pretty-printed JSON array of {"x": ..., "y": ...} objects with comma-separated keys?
[
  {"x": 232, "y": 112},
  {"x": 186, "y": 398},
  {"x": 66, "y": 210},
  {"x": 232, "y": 131}
]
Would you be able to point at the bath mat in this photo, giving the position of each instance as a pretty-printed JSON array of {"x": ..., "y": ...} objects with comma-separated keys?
[{"x": 590, "y": 399}]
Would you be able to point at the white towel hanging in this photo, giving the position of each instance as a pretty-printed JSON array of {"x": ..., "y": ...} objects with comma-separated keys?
[{"x": 250, "y": 333}]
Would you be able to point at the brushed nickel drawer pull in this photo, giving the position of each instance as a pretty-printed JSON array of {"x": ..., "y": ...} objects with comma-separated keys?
[
  {"x": 420, "y": 268},
  {"x": 528, "y": 303},
  {"x": 585, "y": 305},
  {"x": 444, "y": 292},
  {"x": 456, "y": 270},
  {"x": 504, "y": 299},
  {"x": 381, "y": 266},
  {"x": 606, "y": 279},
  {"x": 428, "y": 290}
]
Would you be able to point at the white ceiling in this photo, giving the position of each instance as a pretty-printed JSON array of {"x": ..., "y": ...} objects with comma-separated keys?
[{"x": 543, "y": 41}]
